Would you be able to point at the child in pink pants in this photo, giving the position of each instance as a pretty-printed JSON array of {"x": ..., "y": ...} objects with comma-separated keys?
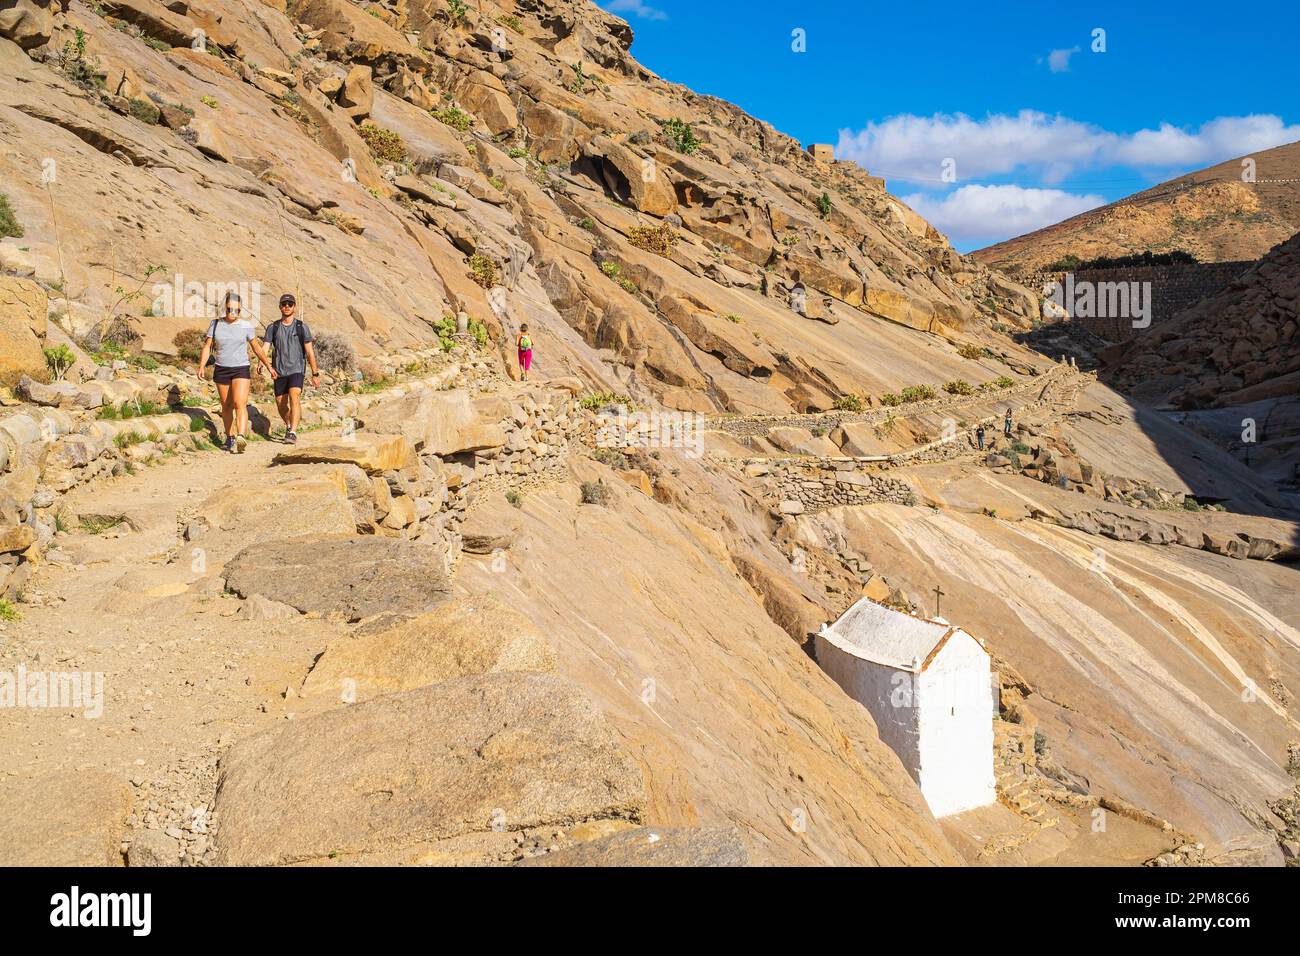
[{"x": 525, "y": 344}]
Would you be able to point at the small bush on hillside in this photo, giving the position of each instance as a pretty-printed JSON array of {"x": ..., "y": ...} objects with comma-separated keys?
[
  {"x": 8, "y": 612},
  {"x": 597, "y": 400},
  {"x": 628, "y": 286},
  {"x": 515, "y": 497},
  {"x": 1001, "y": 382},
  {"x": 58, "y": 361},
  {"x": 482, "y": 270},
  {"x": 824, "y": 205},
  {"x": 850, "y": 403},
  {"x": 613, "y": 458},
  {"x": 611, "y": 269},
  {"x": 959, "y": 387},
  {"x": 144, "y": 111},
  {"x": 384, "y": 144},
  {"x": 189, "y": 343},
  {"x": 9, "y": 224},
  {"x": 682, "y": 135},
  {"x": 1020, "y": 448},
  {"x": 970, "y": 351},
  {"x": 917, "y": 393},
  {"x": 890, "y": 400},
  {"x": 517, "y": 152},
  {"x": 657, "y": 239},
  {"x": 335, "y": 352},
  {"x": 454, "y": 117},
  {"x": 595, "y": 493},
  {"x": 1067, "y": 263},
  {"x": 511, "y": 21}
]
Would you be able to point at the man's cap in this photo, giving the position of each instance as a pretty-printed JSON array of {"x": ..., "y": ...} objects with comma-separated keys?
[{"x": 288, "y": 299}]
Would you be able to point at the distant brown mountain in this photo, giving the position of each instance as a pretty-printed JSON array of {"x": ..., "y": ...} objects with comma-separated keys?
[{"x": 1210, "y": 213}]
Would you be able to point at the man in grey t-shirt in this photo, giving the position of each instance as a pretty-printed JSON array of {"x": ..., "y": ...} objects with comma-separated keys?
[{"x": 291, "y": 343}]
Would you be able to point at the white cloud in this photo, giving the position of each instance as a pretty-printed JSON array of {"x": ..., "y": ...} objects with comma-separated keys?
[
  {"x": 636, "y": 7},
  {"x": 1058, "y": 61},
  {"x": 995, "y": 212},
  {"x": 913, "y": 148}
]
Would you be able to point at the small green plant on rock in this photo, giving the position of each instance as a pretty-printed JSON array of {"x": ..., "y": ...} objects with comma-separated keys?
[
  {"x": 454, "y": 117},
  {"x": 850, "y": 403},
  {"x": 657, "y": 239},
  {"x": 824, "y": 205},
  {"x": 58, "y": 360},
  {"x": 959, "y": 387},
  {"x": 384, "y": 144},
  {"x": 9, "y": 613},
  {"x": 209, "y": 101},
  {"x": 9, "y": 224},
  {"x": 917, "y": 393},
  {"x": 482, "y": 270},
  {"x": 456, "y": 12},
  {"x": 595, "y": 493},
  {"x": 144, "y": 111},
  {"x": 682, "y": 135}
]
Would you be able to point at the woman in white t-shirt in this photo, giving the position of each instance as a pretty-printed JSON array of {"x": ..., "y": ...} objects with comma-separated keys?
[{"x": 227, "y": 342}]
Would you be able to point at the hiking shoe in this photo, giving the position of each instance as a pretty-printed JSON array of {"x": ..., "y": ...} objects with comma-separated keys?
[
  {"x": 230, "y": 443},
  {"x": 241, "y": 443},
  {"x": 291, "y": 438}
]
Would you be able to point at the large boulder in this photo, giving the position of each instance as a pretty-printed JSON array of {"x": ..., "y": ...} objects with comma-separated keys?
[
  {"x": 474, "y": 635},
  {"x": 357, "y": 95},
  {"x": 439, "y": 423},
  {"x": 63, "y": 819},
  {"x": 492, "y": 526},
  {"x": 29, "y": 23},
  {"x": 278, "y": 510},
  {"x": 636, "y": 180},
  {"x": 351, "y": 578},
  {"x": 485, "y": 96},
  {"x": 23, "y": 306},
  {"x": 390, "y": 778},
  {"x": 373, "y": 454}
]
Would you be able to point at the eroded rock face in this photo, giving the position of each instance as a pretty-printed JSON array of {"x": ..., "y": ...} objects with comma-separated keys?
[
  {"x": 63, "y": 819},
  {"x": 478, "y": 635},
  {"x": 23, "y": 306},
  {"x": 351, "y": 578},
  {"x": 653, "y": 846},
  {"x": 399, "y": 773},
  {"x": 29, "y": 23}
]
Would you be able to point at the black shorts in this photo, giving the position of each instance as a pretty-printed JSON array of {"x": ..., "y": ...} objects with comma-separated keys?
[
  {"x": 225, "y": 374},
  {"x": 285, "y": 382}
]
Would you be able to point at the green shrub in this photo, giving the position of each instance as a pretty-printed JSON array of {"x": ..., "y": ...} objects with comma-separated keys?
[
  {"x": 144, "y": 111},
  {"x": 732, "y": 317},
  {"x": 594, "y": 493},
  {"x": 511, "y": 21},
  {"x": 515, "y": 497},
  {"x": 517, "y": 152},
  {"x": 597, "y": 400},
  {"x": 970, "y": 351},
  {"x": 627, "y": 285},
  {"x": 959, "y": 387},
  {"x": 611, "y": 269},
  {"x": 9, "y": 224},
  {"x": 657, "y": 239},
  {"x": 824, "y": 205},
  {"x": 127, "y": 439},
  {"x": 454, "y": 117},
  {"x": 917, "y": 393},
  {"x": 682, "y": 135},
  {"x": 482, "y": 270},
  {"x": 58, "y": 361},
  {"x": 1020, "y": 448},
  {"x": 9, "y": 613},
  {"x": 613, "y": 458},
  {"x": 586, "y": 222},
  {"x": 1001, "y": 382},
  {"x": 850, "y": 403},
  {"x": 456, "y": 11},
  {"x": 209, "y": 101},
  {"x": 384, "y": 144},
  {"x": 890, "y": 400},
  {"x": 497, "y": 183}
]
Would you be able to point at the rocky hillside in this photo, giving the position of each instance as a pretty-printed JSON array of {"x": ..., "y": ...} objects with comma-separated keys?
[
  {"x": 393, "y": 163},
  {"x": 1235, "y": 347},
  {"x": 1210, "y": 213},
  {"x": 470, "y": 619}
]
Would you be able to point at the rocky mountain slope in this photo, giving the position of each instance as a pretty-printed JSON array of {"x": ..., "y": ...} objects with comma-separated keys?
[
  {"x": 1232, "y": 348},
  {"x": 522, "y": 139},
  {"x": 470, "y": 619},
  {"x": 1211, "y": 213}
]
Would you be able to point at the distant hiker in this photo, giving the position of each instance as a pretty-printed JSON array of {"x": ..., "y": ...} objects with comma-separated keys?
[
  {"x": 524, "y": 341},
  {"x": 1006, "y": 423},
  {"x": 291, "y": 352},
  {"x": 979, "y": 435},
  {"x": 227, "y": 342}
]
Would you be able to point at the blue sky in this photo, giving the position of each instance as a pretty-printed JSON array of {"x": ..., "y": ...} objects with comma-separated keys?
[{"x": 1037, "y": 126}]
